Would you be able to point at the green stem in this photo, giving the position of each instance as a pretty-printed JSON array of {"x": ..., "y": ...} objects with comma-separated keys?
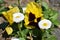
[
  {"x": 20, "y": 6},
  {"x": 19, "y": 26},
  {"x": 18, "y": 2}
]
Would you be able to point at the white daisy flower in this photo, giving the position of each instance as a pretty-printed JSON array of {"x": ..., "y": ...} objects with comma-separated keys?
[
  {"x": 14, "y": 38},
  {"x": 24, "y": 8},
  {"x": 18, "y": 17},
  {"x": 45, "y": 24}
]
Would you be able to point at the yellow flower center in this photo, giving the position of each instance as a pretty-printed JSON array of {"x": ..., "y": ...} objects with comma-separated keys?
[
  {"x": 45, "y": 24},
  {"x": 17, "y": 16}
]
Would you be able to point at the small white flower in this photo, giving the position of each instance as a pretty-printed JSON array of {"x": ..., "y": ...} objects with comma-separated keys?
[
  {"x": 18, "y": 17},
  {"x": 45, "y": 24},
  {"x": 14, "y": 38},
  {"x": 24, "y": 8}
]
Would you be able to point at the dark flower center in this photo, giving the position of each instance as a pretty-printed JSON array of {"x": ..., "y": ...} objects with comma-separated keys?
[{"x": 31, "y": 17}]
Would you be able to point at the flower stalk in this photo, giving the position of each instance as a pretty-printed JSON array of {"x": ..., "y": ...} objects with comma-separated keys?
[
  {"x": 19, "y": 26},
  {"x": 18, "y": 2}
]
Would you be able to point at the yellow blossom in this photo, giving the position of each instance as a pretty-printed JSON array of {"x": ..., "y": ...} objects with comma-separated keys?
[
  {"x": 42, "y": 18},
  {"x": 9, "y": 30},
  {"x": 10, "y": 7},
  {"x": 26, "y": 20},
  {"x": 32, "y": 9},
  {"x": 9, "y": 14}
]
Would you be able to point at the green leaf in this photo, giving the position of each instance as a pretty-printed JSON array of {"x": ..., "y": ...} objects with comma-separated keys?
[
  {"x": 51, "y": 15},
  {"x": 22, "y": 39},
  {"x": 44, "y": 4},
  {"x": 56, "y": 22},
  {"x": 54, "y": 17},
  {"x": 37, "y": 34},
  {"x": 46, "y": 15},
  {"x": 48, "y": 36},
  {"x": 1, "y": 1},
  {"x": 2, "y": 9},
  {"x": 24, "y": 32},
  {"x": 51, "y": 37}
]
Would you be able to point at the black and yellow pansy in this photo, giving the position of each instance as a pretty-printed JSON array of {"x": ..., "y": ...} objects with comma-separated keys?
[
  {"x": 9, "y": 14},
  {"x": 33, "y": 14}
]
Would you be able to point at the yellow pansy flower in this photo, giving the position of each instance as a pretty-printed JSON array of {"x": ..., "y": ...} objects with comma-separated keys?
[
  {"x": 26, "y": 20},
  {"x": 9, "y": 14},
  {"x": 10, "y": 7},
  {"x": 9, "y": 30},
  {"x": 42, "y": 18},
  {"x": 32, "y": 13}
]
